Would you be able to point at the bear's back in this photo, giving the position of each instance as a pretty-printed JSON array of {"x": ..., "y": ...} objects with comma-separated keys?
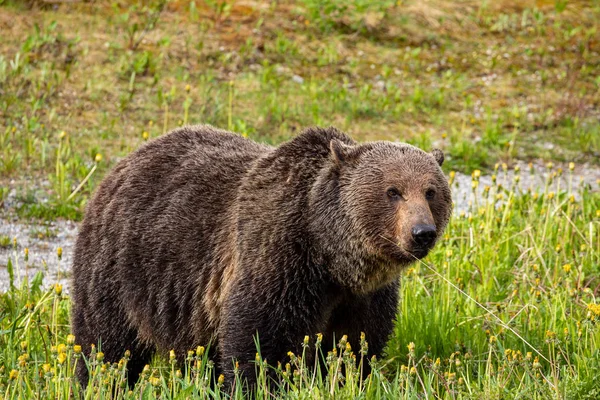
[{"x": 154, "y": 224}]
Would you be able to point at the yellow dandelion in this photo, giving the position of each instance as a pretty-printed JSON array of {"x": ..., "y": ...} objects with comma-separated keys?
[
  {"x": 22, "y": 359},
  {"x": 154, "y": 381},
  {"x": 319, "y": 337},
  {"x": 594, "y": 309}
]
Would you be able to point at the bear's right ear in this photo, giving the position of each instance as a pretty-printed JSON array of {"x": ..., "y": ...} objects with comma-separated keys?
[
  {"x": 438, "y": 155},
  {"x": 340, "y": 152}
]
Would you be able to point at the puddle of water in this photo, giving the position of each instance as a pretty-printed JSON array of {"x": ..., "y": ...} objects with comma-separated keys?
[{"x": 43, "y": 251}]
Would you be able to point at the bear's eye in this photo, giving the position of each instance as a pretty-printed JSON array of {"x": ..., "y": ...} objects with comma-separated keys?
[
  {"x": 430, "y": 194},
  {"x": 394, "y": 194}
]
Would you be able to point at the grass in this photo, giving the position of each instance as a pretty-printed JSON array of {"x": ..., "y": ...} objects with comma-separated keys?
[
  {"x": 506, "y": 306},
  {"x": 486, "y": 82}
]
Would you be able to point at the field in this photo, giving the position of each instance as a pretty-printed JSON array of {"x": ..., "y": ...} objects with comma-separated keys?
[{"x": 506, "y": 306}]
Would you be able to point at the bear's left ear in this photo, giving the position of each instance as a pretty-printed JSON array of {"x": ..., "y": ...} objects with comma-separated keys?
[
  {"x": 341, "y": 152},
  {"x": 438, "y": 155}
]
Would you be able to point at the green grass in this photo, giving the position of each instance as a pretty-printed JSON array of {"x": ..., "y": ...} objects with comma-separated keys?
[
  {"x": 486, "y": 82},
  {"x": 506, "y": 306}
]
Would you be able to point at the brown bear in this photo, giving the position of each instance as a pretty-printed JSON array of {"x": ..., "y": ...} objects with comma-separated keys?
[{"x": 204, "y": 236}]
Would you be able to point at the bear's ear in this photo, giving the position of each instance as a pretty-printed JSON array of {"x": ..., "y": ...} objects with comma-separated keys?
[
  {"x": 438, "y": 155},
  {"x": 340, "y": 152}
]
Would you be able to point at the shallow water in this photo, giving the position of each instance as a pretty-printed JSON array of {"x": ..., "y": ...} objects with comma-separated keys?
[{"x": 43, "y": 240}]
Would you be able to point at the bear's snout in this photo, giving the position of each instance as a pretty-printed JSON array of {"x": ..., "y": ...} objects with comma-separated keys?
[{"x": 424, "y": 235}]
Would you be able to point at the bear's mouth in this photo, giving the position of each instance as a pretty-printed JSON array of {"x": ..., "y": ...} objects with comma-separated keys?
[
  {"x": 419, "y": 252},
  {"x": 402, "y": 254}
]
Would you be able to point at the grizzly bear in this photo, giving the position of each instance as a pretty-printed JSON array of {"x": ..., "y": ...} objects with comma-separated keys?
[{"x": 202, "y": 236}]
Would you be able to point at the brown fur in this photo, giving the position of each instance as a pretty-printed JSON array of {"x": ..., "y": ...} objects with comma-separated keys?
[{"x": 203, "y": 236}]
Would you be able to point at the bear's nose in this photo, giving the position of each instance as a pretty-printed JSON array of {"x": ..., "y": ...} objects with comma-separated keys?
[{"x": 423, "y": 234}]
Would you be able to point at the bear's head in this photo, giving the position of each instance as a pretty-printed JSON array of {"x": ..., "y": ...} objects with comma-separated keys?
[{"x": 394, "y": 201}]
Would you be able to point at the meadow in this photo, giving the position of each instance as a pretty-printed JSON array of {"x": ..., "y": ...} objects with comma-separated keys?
[{"x": 506, "y": 306}]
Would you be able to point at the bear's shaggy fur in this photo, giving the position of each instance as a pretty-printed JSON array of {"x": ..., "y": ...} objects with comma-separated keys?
[{"x": 203, "y": 236}]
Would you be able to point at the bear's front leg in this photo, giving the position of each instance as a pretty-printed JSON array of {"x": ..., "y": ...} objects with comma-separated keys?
[
  {"x": 372, "y": 314},
  {"x": 279, "y": 317}
]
